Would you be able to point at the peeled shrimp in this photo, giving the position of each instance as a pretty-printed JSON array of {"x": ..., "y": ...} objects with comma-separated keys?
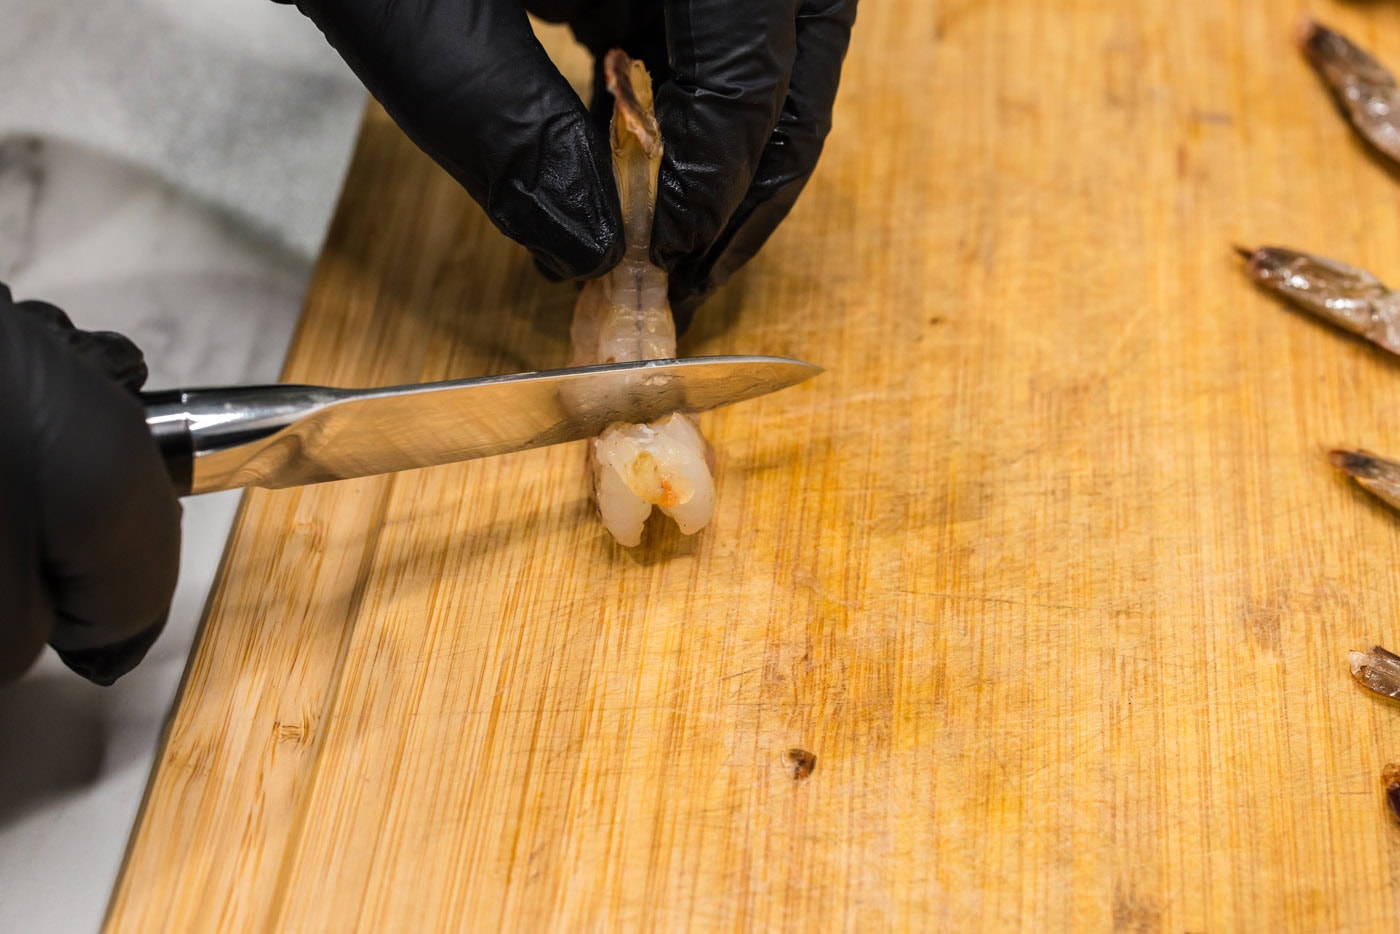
[{"x": 625, "y": 316}]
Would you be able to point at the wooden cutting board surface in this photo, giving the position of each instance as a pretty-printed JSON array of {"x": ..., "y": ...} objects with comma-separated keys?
[{"x": 1048, "y": 570}]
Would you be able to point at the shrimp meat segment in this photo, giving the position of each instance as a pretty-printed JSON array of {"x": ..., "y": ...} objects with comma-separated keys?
[{"x": 625, "y": 316}]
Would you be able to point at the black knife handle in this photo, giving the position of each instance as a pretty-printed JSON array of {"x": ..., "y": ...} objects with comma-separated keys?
[{"x": 172, "y": 436}]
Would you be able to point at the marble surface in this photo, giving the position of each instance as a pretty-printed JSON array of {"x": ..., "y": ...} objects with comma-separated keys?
[{"x": 167, "y": 169}]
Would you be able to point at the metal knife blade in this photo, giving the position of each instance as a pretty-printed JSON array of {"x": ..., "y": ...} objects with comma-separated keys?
[{"x": 286, "y": 435}]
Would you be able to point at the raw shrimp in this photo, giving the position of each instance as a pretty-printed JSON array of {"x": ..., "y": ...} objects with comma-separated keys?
[
  {"x": 625, "y": 316},
  {"x": 1364, "y": 90}
]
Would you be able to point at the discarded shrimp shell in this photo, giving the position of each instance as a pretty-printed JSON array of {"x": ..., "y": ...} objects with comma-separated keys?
[
  {"x": 1375, "y": 474},
  {"x": 1377, "y": 670},
  {"x": 1363, "y": 88},
  {"x": 1350, "y": 298}
]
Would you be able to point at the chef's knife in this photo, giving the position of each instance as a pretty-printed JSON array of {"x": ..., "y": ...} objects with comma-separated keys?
[{"x": 285, "y": 435}]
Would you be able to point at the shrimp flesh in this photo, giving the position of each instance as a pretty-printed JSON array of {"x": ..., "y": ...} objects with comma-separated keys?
[{"x": 625, "y": 316}]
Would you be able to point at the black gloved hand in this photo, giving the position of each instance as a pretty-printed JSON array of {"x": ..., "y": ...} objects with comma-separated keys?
[
  {"x": 744, "y": 93},
  {"x": 744, "y": 97},
  {"x": 470, "y": 84},
  {"x": 89, "y": 521}
]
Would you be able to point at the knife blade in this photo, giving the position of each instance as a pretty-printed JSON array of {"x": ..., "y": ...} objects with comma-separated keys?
[{"x": 289, "y": 435}]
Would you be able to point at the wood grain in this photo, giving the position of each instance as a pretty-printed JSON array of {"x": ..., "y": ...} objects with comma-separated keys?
[{"x": 1048, "y": 571}]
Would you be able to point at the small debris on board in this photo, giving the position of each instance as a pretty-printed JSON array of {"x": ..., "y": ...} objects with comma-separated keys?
[
  {"x": 1390, "y": 777},
  {"x": 799, "y": 763}
]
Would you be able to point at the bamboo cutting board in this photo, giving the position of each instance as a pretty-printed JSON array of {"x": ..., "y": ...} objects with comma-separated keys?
[{"x": 1048, "y": 571}]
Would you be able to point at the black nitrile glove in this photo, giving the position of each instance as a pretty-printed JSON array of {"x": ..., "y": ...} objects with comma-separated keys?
[
  {"x": 744, "y": 97},
  {"x": 89, "y": 521}
]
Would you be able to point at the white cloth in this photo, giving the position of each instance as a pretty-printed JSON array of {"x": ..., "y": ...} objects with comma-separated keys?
[
  {"x": 167, "y": 169},
  {"x": 239, "y": 102}
]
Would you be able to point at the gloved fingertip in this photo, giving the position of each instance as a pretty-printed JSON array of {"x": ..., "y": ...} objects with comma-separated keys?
[
  {"x": 103, "y": 666},
  {"x": 110, "y": 353},
  {"x": 565, "y": 209},
  {"x": 685, "y": 301},
  {"x": 609, "y": 257},
  {"x": 689, "y": 214},
  {"x": 557, "y": 11},
  {"x": 48, "y": 315},
  {"x": 578, "y": 256},
  {"x": 546, "y": 266},
  {"x": 119, "y": 358},
  {"x": 553, "y": 268}
]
